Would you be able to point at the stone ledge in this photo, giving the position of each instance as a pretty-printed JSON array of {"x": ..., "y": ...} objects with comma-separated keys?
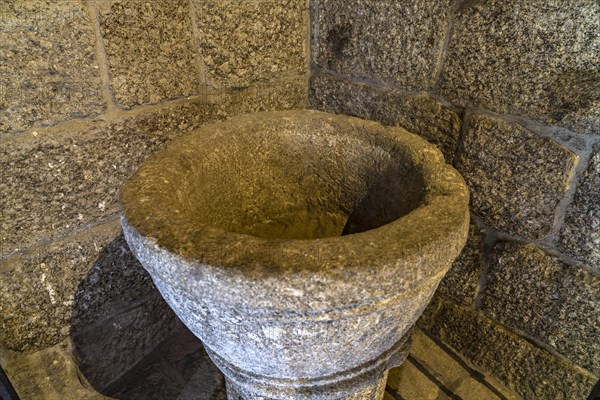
[
  {"x": 48, "y": 374},
  {"x": 178, "y": 368},
  {"x": 431, "y": 371},
  {"x": 107, "y": 350}
]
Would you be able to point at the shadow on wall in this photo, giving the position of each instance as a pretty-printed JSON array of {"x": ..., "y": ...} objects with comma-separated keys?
[{"x": 118, "y": 316}]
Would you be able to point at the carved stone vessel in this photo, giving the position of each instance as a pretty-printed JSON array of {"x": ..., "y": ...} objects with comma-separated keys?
[{"x": 299, "y": 246}]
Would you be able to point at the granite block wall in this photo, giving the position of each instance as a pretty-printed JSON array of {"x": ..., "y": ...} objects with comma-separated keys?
[
  {"x": 88, "y": 89},
  {"x": 510, "y": 92}
]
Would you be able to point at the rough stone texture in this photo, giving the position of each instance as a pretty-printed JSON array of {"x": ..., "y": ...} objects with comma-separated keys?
[
  {"x": 286, "y": 94},
  {"x": 419, "y": 114},
  {"x": 48, "y": 374},
  {"x": 37, "y": 290},
  {"x": 516, "y": 178},
  {"x": 277, "y": 315},
  {"x": 538, "y": 58},
  {"x": 47, "y": 294},
  {"x": 178, "y": 368},
  {"x": 462, "y": 280},
  {"x": 580, "y": 236},
  {"x": 69, "y": 177},
  {"x": 530, "y": 371},
  {"x": 271, "y": 41},
  {"x": 48, "y": 67},
  {"x": 556, "y": 303},
  {"x": 390, "y": 42},
  {"x": 108, "y": 349},
  {"x": 374, "y": 390},
  {"x": 116, "y": 283},
  {"x": 444, "y": 370},
  {"x": 150, "y": 50}
]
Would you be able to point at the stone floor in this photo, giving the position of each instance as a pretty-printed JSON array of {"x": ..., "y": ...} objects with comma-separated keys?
[{"x": 180, "y": 369}]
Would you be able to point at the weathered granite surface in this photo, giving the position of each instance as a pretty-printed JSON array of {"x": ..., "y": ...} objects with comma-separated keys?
[
  {"x": 37, "y": 290},
  {"x": 48, "y": 67},
  {"x": 462, "y": 280},
  {"x": 531, "y": 371},
  {"x": 554, "y": 302},
  {"x": 516, "y": 178},
  {"x": 537, "y": 58},
  {"x": 269, "y": 43},
  {"x": 116, "y": 283},
  {"x": 178, "y": 368},
  {"x": 47, "y": 374},
  {"x": 393, "y": 42},
  {"x": 285, "y": 94},
  {"x": 69, "y": 176},
  {"x": 280, "y": 317},
  {"x": 580, "y": 235},
  {"x": 433, "y": 372},
  {"x": 419, "y": 114},
  {"x": 150, "y": 50},
  {"x": 106, "y": 350},
  {"x": 68, "y": 286}
]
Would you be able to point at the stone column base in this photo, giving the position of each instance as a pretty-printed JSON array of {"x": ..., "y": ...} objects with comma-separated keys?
[
  {"x": 365, "y": 382},
  {"x": 371, "y": 392}
]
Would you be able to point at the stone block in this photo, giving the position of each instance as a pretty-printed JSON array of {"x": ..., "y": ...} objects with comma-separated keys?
[
  {"x": 396, "y": 43},
  {"x": 178, "y": 368},
  {"x": 516, "y": 178},
  {"x": 530, "y": 371},
  {"x": 462, "y": 280},
  {"x": 108, "y": 349},
  {"x": 419, "y": 114},
  {"x": 115, "y": 283},
  {"x": 68, "y": 177},
  {"x": 66, "y": 286},
  {"x": 37, "y": 290},
  {"x": 48, "y": 67},
  {"x": 554, "y": 302},
  {"x": 270, "y": 41},
  {"x": 580, "y": 235},
  {"x": 537, "y": 58},
  {"x": 150, "y": 50}
]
